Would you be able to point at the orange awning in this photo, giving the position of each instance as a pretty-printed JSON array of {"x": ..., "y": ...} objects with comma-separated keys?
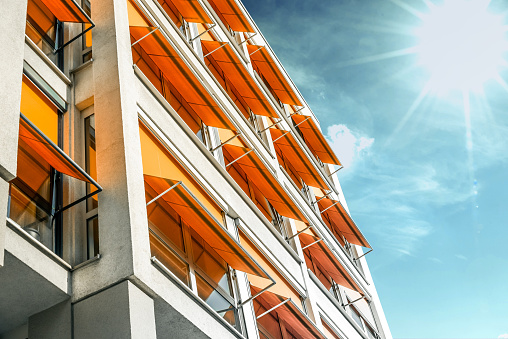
[
  {"x": 182, "y": 78},
  {"x": 239, "y": 76},
  {"x": 264, "y": 180},
  {"x": 325, "y": 257},
  {"x": 288, "y": 149},
  {"x": 336, "y": 216},
  {"x": 49, "y": 151},
  {"x": 269, "y": 70},
  {"x": 315, "y": 139},
  {"x": 191, "y": 11},
  {"x": 230, "y": 12},
  {"x": 66, "y": 10},
  {"x": 299, "y": 324},
  {"x": 183, "y": 202}
]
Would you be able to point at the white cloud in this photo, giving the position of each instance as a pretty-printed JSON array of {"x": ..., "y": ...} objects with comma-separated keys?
[
  {"x": 348, "y": 145},
  {"x": 436, "y": 260},
  {"x": 460, "y": 256},
  {"x": 503, "y": 336}
]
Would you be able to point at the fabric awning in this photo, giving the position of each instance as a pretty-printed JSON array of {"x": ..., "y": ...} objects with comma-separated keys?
[
  {"x": 191, "y": 11},
  {"x": 195, "y": 214},
  {"x": 315, "y": 139},
  {"x": 180, "y": 76},
  {"x": 231, "y": 14},
  {"x": 325, "y": 257},
  {"x": 336, "y": 216},
  {"x": 300, "y": 325},
  {"x": 264, "y": 180},
  {"x": 269, "y": 70},
  {"x": 241, "y": 79},
  {"x": 288, "y": 149},
  {"x": 50, "y": 152},
  {"x": 66, "y": 11}
]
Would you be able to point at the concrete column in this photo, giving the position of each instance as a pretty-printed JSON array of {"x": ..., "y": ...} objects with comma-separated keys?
[
  {"x": 122, "y": 311},
  {"x": 123, "y": 227},
  {"x": 12, "y": 41},
  {"x": 53, "y": 323}
]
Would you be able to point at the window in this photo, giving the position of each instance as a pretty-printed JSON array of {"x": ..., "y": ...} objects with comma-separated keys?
[
  {"x": 87, "y": 37},
  {"x": 42, "y": 28},
  {"x": 191, "y": 259},
  {"x": 35, "y": 193},
  {"x": 92, "y": 203}
]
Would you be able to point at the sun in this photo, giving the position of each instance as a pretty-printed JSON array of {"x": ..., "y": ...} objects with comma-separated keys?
[{"x": 462, "y": 44}]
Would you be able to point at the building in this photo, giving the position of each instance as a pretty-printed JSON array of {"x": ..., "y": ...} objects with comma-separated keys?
[{"x": 166, "y": 179}]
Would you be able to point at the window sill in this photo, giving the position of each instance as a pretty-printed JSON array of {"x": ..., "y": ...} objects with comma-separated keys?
[{"x": 164, "y": 270}]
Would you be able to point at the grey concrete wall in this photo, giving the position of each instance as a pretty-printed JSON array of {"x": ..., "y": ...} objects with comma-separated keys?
[
  {"x": 123, "y": 229},
  {"x": 122, "y": 311},
  {"x": 12, "y": 41},
  {"x": 53, "y": 323}
]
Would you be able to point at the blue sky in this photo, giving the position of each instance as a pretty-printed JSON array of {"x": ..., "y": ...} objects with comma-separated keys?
[{"x": 429, "y": 198}]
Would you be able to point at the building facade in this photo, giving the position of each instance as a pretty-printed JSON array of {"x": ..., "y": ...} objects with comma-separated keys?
[{"x": 162, "y": 177}]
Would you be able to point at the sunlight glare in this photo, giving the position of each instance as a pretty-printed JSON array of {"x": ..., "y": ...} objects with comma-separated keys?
[{"x": 462, "y": 44}]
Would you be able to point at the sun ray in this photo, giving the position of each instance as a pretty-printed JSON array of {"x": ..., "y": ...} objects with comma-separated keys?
[
  {"x": 379, "y": 57},
  {"x": 408, "y": 8}
]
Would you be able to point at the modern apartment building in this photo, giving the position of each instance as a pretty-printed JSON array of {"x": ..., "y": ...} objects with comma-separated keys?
[{"x": 162, "y": 177}]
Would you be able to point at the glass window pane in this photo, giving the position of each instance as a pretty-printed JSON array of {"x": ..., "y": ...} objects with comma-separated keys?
[
  {"x": 213, "y": 298},
  {"x": 90, "y": 160},
  {"x": 356, "y": 316},
  {"x": 92, "y": 230},
  {"x": 41, "y": 27},
  {"x": 211, "y": 263},
  {"x": 169, "y": 259}
]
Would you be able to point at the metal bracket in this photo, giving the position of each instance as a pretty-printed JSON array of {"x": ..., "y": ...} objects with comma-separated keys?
[
  {"x": 257, "y": 50},
  {"x": 296, "y": 112},
  {"x": 252, "y": 36},
  {"x": 297, "y": 234},
  {"x": 324, "y": 196},
  {"x": 200, "y": 34},
  {"x": 267, "y": 128},
  {"x": 232, "y": 162},
  {"x": 326, "y": 209},
  {"x": 363, "y": 254},
  {"x": 80, "y": 34},
  {"x": 341, "y": 167},
  {"x": 166, "y": 191},
  {"x": 225, "y": 142},
  {"x": 352, "y": 302},
  {"x": 224, "y": 44},
  {"x": 315, "y": 242},
  {"x": 135, "y": 42},
  {"x": 256, "y": 295},
  {"x": 273, "y": 308}
]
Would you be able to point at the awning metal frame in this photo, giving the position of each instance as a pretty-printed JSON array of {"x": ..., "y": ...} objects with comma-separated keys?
[
  {"x": 224, "y": 44},
  {"x": 257, "y": 50},
  {"x": 313, "y": 243},
  {"x": 273, "y": 308},
  {"x": 232, "y": 162},
  {"x": 252, "y": 36},
  {"x": 225, "y": 142},
  {"x": 252, "y": 297},
  {"x": 267, "y": 128},
  {"x": 298, "y": 233},
  {"x": 284, "y": 134},
  {"x": 352, "y": 302},
  {"x": 163, "y": 193},
  {"x": 358, "y": 258},
  {"x": 146, "y": 35},
  {"x": 68, "y": 159},
  {"x": 80, "y": 34},
  {"x": 341, "y": 167},
  {"x": 324, "y": 196},
  {"x": 326, "y": 209},
  {"x": 202, "y": 33}
]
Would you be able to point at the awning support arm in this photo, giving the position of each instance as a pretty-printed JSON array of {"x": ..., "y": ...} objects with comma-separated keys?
[
  {"x": 82, "y": 33},
  {"x": 135, "y": 42},
  {"x": 78, "y": 201},
  {"x": 301, "y": 122},
  {"x": 267, "y": 128},
  {"x": 166, "y": 191},
  {"x": 282, "y": 136},
  {"x": 224, "y": 44},
  {"x": 324, "y": 196},
  {"x": 326, "y": 209},
  {"x": 273, "y": 308},
  {"x": 200, "y": 34},
  {"x": 363, "y": 254},
  {"x": 252, "y": 36},
  {"x": 297, "y": 234},
  {"x": 315, "y": 242},
  {"x": 225, "y": 142},
  {"x": 257, "y": 50},
  {"x": 352, "y": 302},
  {"x": 341, "y": 167},
  {"x": 252, "y": 297},
  {"x": 232, "y": 162},
  {"x": 296, "y": 112}
]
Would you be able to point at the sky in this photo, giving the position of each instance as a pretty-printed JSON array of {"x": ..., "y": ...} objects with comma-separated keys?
[{"x": 424, "y": 170}]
